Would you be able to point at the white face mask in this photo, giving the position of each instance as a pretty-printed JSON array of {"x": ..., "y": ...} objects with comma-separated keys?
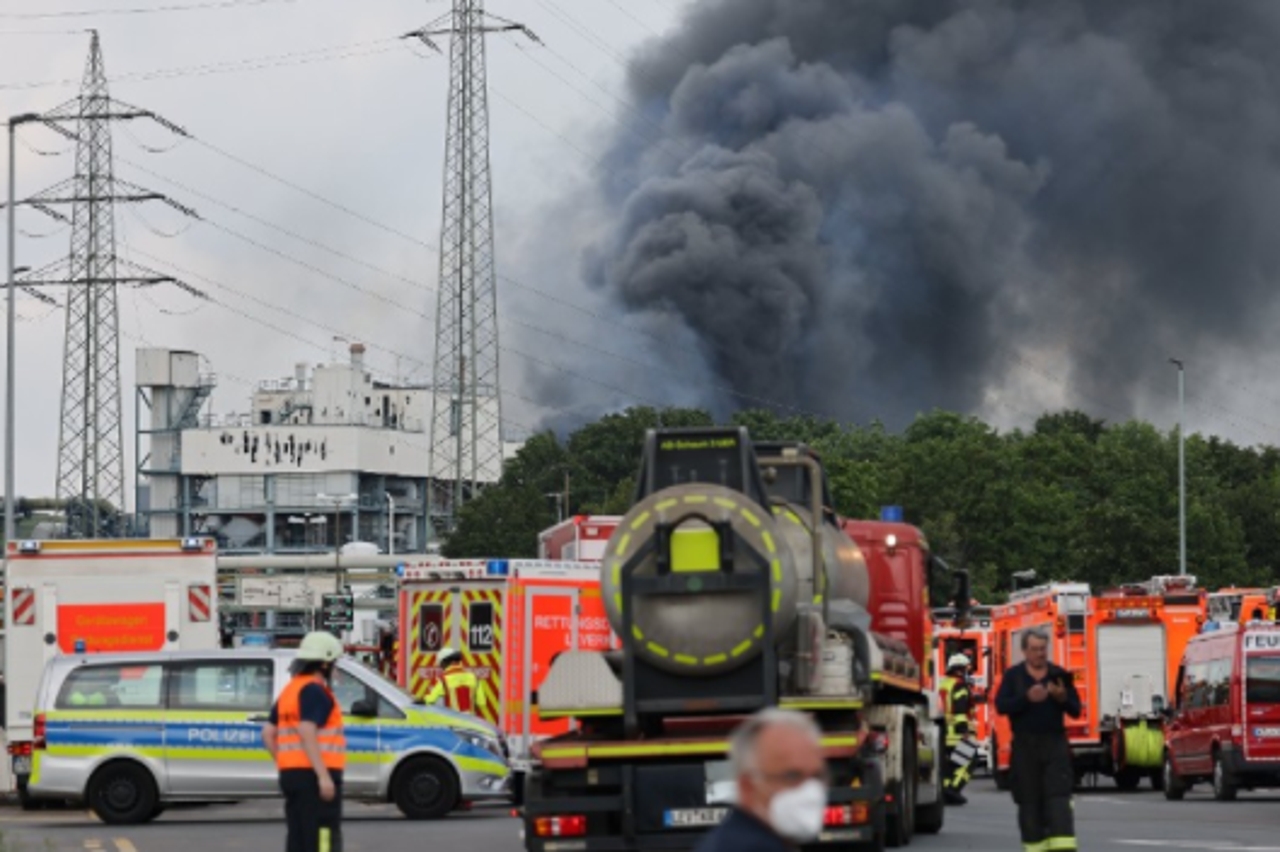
[{"x": 797, "y": 814}]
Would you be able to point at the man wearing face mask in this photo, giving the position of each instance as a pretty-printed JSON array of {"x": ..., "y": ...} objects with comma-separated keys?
[
  {"x": 305, "y": 737},
  {"x": 781, "y": 785}
]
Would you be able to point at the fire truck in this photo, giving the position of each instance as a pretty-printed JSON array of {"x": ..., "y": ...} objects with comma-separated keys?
[
  {"x": 1236, "y": 605},
  {"x": 581, "y": 538},
  {"x": 730, "y": 596},
  {"x": 91, "y": 597},
  {"x": 509, "y": 619},
  {"x": 1122, "y": 648},
  {"x": 971, "y": 637}
]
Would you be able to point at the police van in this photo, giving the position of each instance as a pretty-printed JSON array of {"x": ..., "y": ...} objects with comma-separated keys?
[{"x": 128, "y": 733}]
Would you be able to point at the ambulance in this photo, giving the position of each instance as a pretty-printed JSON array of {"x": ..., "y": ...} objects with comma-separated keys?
[
  {"x": 1121, "y": 647},
  {"x": 509, "y": 619},
  {"x": 98, "y": 596},
  {"x": 579, "y": 539},
  {"x": 972, "y": 638}
]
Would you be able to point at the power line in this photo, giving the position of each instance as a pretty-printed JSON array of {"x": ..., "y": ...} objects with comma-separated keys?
[
  {"x": 355, "y": 50},
  {"x": 142, "y": 10}
]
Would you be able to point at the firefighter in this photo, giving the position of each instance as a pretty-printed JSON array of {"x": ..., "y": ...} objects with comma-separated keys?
[
  {"x": 1036, "y": 696},
  {"x": 304, "y": 735},
  {"x": 961, "y": 749},
  {"x": 457, "y": 686}
]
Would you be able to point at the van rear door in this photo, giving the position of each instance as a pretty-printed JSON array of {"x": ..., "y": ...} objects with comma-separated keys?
[{"x": 1261, "y": 722}]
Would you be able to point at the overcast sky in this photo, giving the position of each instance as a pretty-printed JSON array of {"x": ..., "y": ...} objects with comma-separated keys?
[
  {"x": 364, "y": 130},
  {"x": 324, "y": 94}
]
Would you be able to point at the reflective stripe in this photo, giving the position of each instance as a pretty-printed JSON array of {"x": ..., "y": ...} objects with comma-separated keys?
[
  {"x": 290, "y": 752},
  {"x": 1061, "y": 843},
  {"x": 1042, "y": 846}
]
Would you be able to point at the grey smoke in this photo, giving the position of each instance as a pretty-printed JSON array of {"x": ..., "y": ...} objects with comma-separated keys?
[{"x": 868, "y": 208}]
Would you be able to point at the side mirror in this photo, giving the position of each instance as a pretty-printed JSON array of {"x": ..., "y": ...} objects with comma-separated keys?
[
  {"x": 1157, "y": 704},
  {"x": 364, "y": 708}
]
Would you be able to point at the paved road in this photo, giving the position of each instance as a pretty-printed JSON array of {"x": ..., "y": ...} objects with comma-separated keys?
[{"x": 1107, "y": 820}]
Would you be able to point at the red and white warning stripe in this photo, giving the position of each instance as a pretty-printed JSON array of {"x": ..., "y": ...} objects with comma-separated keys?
[
  {"x": 24, "y": 606},
  {"x": 200, "y": 602}
]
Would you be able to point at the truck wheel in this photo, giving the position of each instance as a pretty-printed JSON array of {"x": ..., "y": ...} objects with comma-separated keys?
[
  {"x": 1174, "y": 787},
  {"x": 929, "y": 818},
  {"x": 1128, "y": 778},
  {"x": 899, "y": 829},
  {"x": 425, "y": 789},
  {"x": 1224, "y": 786},
  {"x": 123, "y": 793}
]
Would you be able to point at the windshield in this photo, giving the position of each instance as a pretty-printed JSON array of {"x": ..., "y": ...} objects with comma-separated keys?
[
  {"x": 1263, "y": 684},
  {"x": 389, "y": 688}
]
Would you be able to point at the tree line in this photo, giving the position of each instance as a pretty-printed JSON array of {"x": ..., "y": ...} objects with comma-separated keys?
[{"x": 1074, "y": 498}]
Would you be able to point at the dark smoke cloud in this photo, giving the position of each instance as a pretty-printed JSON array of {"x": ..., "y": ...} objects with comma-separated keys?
[{"x": 874, "y": 207}]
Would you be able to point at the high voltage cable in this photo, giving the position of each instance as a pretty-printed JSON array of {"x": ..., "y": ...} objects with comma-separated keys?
[
  {"x": 328, "y": 54},
  {"x": 142, "y": 10},
  {"x": 556, "y": 334}
]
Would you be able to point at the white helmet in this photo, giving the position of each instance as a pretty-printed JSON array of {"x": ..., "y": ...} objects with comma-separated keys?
[
  {"x": 320, "y": 646},
  {"x": 958, "y": 661}
]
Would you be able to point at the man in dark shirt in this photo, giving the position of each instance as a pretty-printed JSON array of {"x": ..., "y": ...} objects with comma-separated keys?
[
  {"x": 781, "y": 778},
  {"x": 1036, "y": 695}
]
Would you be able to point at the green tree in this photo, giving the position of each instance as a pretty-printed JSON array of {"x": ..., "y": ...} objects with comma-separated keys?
[{"x": 503, "y": 521}]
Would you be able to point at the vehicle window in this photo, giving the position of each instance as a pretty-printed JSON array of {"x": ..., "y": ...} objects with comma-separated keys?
[
  {"x": 968, "y": 647},
  {"x": 135, "y": 687},
  {"x": 349, "y": 689},
  {"x": 1197, "y": 685},
  {"x": 1220, "y": 675},
  {"x": 1262, "y": 685},
  {"x": 221, "y": 685}
]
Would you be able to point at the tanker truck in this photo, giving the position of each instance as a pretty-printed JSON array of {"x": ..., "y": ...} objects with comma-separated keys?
[{"x": 732, "y": 586}]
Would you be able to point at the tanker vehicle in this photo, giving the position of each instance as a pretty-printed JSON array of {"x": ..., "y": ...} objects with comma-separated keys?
[{"x": 733, "y": 586}]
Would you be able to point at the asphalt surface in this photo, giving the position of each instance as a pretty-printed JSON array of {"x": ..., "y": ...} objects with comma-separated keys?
[{"x": 1106, "y": 820}]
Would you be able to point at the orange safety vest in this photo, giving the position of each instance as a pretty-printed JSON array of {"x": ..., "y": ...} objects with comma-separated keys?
[{"x": 289, "y": 751}]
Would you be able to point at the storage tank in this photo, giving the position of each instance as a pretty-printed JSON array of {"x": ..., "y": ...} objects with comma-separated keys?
[{"x": 717, "y": 632}]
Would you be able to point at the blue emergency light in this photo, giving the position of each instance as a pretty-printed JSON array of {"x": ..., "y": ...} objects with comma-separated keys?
[
  {"x": 400, "y": 570},
  {"x": 496, "y": 568},
  {"x": 892, "y": 514},
  {"x": 80, "y": 646}
]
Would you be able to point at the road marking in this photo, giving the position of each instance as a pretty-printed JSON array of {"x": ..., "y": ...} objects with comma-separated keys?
[
  {"x": 93, "y": 844},
  {"x": 1202, "y": 845},
  {"x": 125, "y": 845}
]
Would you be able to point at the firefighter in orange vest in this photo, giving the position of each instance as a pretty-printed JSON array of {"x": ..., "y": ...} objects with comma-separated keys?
[
  {"x": 305, "y": 737},
  {"x": 458, "y": 687}
]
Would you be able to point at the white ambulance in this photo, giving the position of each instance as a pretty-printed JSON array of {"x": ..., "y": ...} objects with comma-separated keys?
[{"x": 98, "y": 596}]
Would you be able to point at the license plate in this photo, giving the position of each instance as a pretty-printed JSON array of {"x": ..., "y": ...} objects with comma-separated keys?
[
  {"x": 1266, "y": 732},
  {"x": 22, "y": 765},
  {"x": 694, "y": 817}
]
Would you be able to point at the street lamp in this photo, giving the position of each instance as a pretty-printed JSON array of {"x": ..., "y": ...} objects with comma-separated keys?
[
  {"x": 391, "y": 525},
  {"x": 338, "y": 500},
  {"x": 1182, "y": 469},
  {"x": 10, "y": 325}
]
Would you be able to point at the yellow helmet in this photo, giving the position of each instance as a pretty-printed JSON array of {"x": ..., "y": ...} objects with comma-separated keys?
[{"x": 320, "y": 646}]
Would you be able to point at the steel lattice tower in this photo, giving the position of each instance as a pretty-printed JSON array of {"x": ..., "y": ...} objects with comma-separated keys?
[
  {"x": 91, "y": 436},
  {"x": 90, "y": 477},
  {"x": 466, "y": 419}
]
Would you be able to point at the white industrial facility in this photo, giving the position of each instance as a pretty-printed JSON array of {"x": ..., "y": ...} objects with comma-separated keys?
[{"x": 328, "y": 456}]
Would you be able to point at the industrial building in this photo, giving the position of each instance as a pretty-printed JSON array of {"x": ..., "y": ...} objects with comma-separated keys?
[{"x": 328, "y": 456}]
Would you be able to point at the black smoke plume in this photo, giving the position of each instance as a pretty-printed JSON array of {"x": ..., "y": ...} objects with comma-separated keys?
[{"x": 868, "y": 208}]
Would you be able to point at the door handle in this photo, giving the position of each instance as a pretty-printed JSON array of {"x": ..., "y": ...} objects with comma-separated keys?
[{"x": 261, "y": 717}]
